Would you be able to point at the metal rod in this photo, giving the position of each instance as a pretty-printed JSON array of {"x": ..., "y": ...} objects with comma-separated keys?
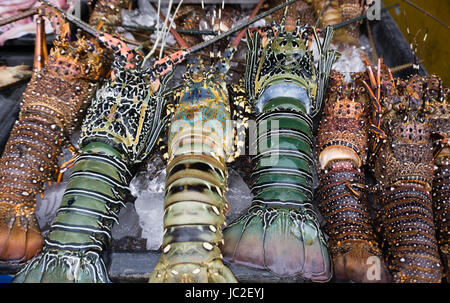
[
  {"x": 29, "y": 12},
  {"x": 154, "y": 29},
  {"x": 239, "y": 27},
  {"x": 426, "y": 13}
]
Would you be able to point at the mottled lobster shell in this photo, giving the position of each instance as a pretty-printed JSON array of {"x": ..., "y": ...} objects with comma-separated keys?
[{"x": 404, "y": 171}]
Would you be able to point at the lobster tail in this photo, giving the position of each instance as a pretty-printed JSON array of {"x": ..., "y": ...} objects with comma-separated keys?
[
  {"x": 23, "y": 172},
  {"x": 352, "y": 241},
  {"x": 82, "y": 226},
  {"x": 342, "y": 143},
  {"x": 281, "y": 232},
  {"x": 194, "y": 206},
  {"x": 441, "y": 203},
  {"x": 409, "y": 234}
]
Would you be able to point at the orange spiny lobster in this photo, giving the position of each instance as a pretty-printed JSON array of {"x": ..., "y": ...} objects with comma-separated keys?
[{"x": 342, "y": 151}]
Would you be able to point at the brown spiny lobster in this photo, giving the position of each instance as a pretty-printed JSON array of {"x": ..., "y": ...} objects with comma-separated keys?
[
  {"x": 402, "y": 151},
  {"x": 52, "y": 107},
  {"x": 438, "y": 113},
  {"x": 342, "y": 143}
]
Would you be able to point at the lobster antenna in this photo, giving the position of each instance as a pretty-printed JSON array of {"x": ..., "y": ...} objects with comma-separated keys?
[
  {"x": 237, "y": 39},
  {"x": 321, "y": 13},
  {"x": 202, "y": 45},
  {"x": 170, "y": 27},
  {"x": 175, "y": 32},
  {"x": 159, "y": 34},
  {"x": 419, "y": 53},
  {"x": 413, "y": 43}
]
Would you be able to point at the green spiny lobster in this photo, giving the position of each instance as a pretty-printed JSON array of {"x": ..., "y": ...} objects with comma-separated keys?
[{"x": 281, "y": 232}]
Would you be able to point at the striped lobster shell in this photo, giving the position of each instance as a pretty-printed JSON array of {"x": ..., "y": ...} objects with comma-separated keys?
[
  {"x": 342, "y": 141},
  {"x": 280, "y": 232}
]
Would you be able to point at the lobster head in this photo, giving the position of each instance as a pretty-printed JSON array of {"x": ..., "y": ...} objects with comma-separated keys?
[
  {"x": 126, "y": 113},
  {"x": 80, "y": 59}
]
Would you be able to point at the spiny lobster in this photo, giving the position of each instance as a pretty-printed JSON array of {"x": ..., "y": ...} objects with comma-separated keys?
[
  {"x": 200, "y": 142},
  {"x": 299, "y": 9},
  {"x": 281, "y": 232},
  {"x": 52, "y": 106},
  {"x": 402, "y": 152},
  {"x": 342, "y": 143},
  {"x": 437, "y": 112}
]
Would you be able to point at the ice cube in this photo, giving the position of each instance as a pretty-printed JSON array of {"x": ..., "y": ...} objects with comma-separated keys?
[
  {"x": 350, "y": 62},
  {"x": 149, "y": 206},
  {"x": 238, "y": 196},
  {"x": 128, "y": 223},
  {"x": 46, "y": 207}
]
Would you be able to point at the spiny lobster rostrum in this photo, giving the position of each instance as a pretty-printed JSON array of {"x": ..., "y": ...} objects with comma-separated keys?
[
  {"x": 121, "y": 127},
  {"x": 403, "y": 157},
  {"x": 281, "y": 231},
  {"x": 53, "y": 105},
  {"x": 342, "y": 143}
]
